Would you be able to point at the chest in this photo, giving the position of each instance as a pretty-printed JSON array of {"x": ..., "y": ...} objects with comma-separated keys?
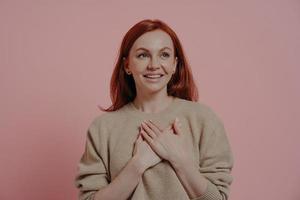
[{"x": 123, "y": 136}]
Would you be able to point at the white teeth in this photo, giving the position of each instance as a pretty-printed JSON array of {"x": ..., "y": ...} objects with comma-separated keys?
[{"x": 153, "y": 76}]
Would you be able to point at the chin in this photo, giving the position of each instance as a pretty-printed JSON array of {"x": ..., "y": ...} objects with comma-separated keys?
[{"x": 155, "y": 89}]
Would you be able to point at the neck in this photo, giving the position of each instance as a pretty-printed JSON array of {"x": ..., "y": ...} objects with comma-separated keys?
[{"x": 152, "y": 103}]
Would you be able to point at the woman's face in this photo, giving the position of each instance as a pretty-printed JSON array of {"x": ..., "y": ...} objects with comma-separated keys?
[{"x": 152, "y": 61}]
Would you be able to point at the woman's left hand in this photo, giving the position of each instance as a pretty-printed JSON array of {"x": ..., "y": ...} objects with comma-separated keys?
[{"x": 170, "y": 143}]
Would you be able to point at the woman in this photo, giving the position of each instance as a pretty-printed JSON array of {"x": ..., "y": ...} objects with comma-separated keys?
[{"x": 155, "y": 141}]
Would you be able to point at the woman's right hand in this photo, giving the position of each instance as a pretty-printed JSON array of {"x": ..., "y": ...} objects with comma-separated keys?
[{"x": 144, "y": 153}]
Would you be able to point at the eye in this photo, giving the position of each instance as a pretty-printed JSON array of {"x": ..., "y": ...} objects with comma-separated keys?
[
  {"x": 142, "y": 54},
  {"x": 166, "y": 54}
]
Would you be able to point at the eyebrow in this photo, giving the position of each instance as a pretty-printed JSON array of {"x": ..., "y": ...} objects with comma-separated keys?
[{"x": 142, "y": 48}]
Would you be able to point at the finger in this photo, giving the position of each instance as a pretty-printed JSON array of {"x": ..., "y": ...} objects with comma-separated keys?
[
  {"x": 147, "y": 129},
  {"x": 157, "y": 126},
  {"x": 146, "y": 137},
  {"x": 154, "y": 127}
]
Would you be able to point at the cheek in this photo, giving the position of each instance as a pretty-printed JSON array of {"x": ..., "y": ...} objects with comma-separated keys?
[
  {"x": 169, "y": 68},
  {"x": 137, "y": 69},
  {"x": 138, "y": 66}
]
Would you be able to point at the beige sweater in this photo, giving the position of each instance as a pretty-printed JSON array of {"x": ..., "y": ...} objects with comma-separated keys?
[{"x": 110, "y": 141}]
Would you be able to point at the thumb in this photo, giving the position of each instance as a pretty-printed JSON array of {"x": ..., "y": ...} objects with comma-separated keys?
[
  {"x": 177, "y": 126},
  {"x": 139, "y": 139},
  {"x": 169, "y": 127}
]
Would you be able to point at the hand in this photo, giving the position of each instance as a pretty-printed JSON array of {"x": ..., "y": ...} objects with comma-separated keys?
[
  {"x": 146, "y": 156},
  {"x": 170, "y": 143}
]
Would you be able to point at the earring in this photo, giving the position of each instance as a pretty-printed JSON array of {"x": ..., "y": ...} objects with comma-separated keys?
[{"x": 128, "y": 72}]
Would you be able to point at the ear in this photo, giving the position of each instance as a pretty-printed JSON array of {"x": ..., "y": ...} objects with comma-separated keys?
[{"x": 125, "y": 64}]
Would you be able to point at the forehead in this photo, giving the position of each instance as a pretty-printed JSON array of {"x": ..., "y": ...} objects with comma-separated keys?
[{"x": 153, "y": 40}]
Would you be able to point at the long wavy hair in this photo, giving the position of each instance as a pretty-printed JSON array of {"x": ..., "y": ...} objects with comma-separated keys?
[{"x": 122, "y": 85}]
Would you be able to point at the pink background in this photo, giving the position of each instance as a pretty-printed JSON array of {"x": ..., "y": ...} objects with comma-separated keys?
[{"x": 57, "y": 57}]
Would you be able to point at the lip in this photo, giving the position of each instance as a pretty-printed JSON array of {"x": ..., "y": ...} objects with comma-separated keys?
[
  {"x": 153, "y": 80},
  {"x": 152, "y": 74}
]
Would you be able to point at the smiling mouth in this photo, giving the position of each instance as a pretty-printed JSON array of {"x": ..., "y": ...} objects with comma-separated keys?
[{"x": 153, "y": 76}]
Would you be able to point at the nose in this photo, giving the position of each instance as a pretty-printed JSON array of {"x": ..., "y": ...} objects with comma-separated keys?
[{"x": 154, "y": 64}]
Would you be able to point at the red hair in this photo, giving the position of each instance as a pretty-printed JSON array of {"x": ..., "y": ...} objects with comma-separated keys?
[{"x": 122, "y": 85}]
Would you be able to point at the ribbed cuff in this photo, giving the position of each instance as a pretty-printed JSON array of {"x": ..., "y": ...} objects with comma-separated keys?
[
  {"x": 211, "y": 193},
  {"x": 92, "y": 196},
  {"x": 87, "y": 196}
]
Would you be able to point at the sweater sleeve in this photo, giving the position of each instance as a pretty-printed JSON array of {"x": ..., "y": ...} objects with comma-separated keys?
[
  {"x": 91, "y": 170},
  {"x": 216, "y": 160}
]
